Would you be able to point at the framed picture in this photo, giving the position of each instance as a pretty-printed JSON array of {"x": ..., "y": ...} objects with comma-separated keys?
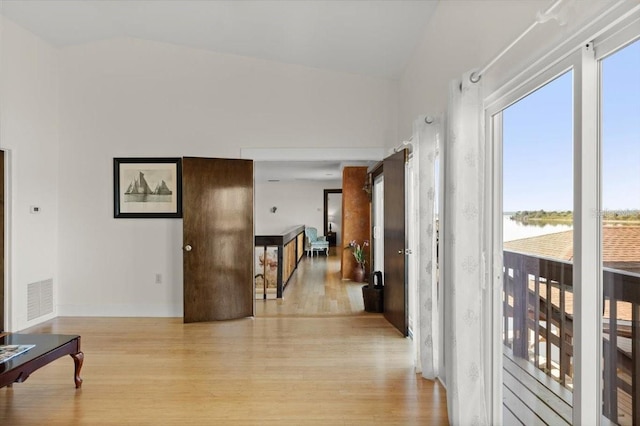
[{"x": 147, "y": 187}]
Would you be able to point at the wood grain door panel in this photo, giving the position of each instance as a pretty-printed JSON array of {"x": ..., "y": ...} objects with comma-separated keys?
[
  {"x": 218, "y": 227},
  {"x": 395, "y": 281},
  {"x": 2, "y": 300}
]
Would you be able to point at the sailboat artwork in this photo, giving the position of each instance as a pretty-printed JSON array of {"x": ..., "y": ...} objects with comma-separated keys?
[
  {"x": 147, "y": 188},
  {"x": 140, "y": 191}
]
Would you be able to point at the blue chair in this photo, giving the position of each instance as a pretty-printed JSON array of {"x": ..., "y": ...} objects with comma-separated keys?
[{"x": 315, "y": 243}]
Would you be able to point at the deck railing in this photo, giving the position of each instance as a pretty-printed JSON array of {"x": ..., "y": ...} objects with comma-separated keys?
[{"x": 542, "y": 332}]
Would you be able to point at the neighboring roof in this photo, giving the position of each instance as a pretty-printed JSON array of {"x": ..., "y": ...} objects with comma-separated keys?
[
  {"x": 558, "y": 245},
  {"x": 620, "y": 244}
]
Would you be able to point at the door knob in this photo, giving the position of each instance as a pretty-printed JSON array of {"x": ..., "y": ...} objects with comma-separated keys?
[
  {"x": 399, "y": 251},
  {"x": 187, "y": 248}
]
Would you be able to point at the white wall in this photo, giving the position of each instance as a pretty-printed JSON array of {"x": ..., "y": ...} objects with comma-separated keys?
[
  {"x": 129, "y": 97},
  {"x": 461, "y": 35},
  {"x": 464, "y": 35},
  {"x": 298, "y": 203},
  {"x": 29, "y": 133}
]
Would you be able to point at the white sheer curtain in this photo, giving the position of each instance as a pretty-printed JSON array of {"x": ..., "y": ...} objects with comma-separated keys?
[
  {"x": 464, "y": 259},
  {"x": 427, "y": 133}
]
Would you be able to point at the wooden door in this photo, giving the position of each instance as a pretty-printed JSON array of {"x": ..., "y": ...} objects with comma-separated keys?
[
  {"x": 218, "y": 249},
  {"x": 395, "y": 275},
  {"x": 2, "y": 300}
]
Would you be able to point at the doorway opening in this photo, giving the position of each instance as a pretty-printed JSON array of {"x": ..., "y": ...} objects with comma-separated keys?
[{"x": 333, "y": 216}]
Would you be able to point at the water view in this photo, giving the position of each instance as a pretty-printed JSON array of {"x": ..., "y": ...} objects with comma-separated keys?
[
  {"x": 515, "y": 230},
  {"x": 538, "y": 187}
]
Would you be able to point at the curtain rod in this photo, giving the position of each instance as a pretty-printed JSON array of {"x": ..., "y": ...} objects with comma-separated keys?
[
  {"x": 409, "y": 143},
  {"x": 404, "y": 144},
  {"x": 541, "y": 18}
]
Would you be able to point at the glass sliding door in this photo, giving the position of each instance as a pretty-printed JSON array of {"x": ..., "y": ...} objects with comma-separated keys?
[
  {"x": 537, "y": 201},
  {"x": 620, "y": 214},
  {"x": 566, "y": 180}
]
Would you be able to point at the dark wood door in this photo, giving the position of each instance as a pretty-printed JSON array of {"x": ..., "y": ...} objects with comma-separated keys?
[
  {"x": 395, "y": 276},
  {"x": 218, "y": 248},
  {"x": 2, "y": 301}
]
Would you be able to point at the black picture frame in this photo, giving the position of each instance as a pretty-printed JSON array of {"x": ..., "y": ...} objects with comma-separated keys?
[{"x": 147, "y": 188}]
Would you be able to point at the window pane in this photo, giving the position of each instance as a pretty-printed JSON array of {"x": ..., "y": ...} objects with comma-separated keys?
[
  {"x": 537, "y": 229},
  {"x": 621, "y": 231}
]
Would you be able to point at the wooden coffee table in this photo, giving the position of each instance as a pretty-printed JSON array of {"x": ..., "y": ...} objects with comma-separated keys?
[{"x": 48, "y": 348}]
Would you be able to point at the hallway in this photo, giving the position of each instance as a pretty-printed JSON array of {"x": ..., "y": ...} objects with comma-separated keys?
[
  {"x": 331, "y": 365},
  {"x": 316, "y": 289}
]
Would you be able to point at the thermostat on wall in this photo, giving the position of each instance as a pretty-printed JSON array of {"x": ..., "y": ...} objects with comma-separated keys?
[{"x": 34, "y": 209}]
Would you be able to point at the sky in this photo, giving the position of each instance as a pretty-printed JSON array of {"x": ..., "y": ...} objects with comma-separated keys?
[
  {"x": 538, "y": 146},
  {"x": 621, "y": 129}
]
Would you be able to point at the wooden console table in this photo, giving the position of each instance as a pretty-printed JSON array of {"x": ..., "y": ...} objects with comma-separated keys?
[{"x": 48, "y": 348}]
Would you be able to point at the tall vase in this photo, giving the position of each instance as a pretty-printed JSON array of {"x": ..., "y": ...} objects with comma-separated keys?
[{"x": 358, "y": 273}]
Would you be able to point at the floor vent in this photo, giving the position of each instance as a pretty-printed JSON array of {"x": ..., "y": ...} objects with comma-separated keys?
[{"x": 39, "y": 299}]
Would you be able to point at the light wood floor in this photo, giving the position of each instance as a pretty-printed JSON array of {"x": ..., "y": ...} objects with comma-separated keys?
[
  {"x": 349, "y": 369},
  {"x": 316, "y": 289}
]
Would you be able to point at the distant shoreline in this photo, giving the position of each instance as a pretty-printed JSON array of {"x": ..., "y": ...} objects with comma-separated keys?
[
  {"x": 540, "y": 217},
  {"x": 570, "y": 221}
]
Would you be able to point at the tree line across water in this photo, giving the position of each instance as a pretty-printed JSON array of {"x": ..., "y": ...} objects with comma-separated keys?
[{"x": 567, "y": 216}]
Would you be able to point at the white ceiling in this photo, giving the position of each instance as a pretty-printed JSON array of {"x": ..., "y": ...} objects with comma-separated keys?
[
  {"x": 374, "y": 38},
  {"x": 365, "y": 37}
]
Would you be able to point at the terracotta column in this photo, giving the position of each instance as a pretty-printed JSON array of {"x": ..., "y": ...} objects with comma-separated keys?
[{"x": 356, "y": 216}]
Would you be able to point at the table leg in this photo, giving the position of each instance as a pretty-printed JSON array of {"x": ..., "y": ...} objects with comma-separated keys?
[{"x": 77, "y": 360}]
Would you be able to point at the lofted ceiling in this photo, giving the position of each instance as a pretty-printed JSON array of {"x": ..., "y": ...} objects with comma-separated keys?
[
  {"x": 365, "y": 37},
  {"x": 369, "y": 37}
]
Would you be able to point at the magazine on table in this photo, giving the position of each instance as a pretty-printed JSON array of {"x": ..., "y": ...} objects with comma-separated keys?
[{"x": 9, "y": 351}]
